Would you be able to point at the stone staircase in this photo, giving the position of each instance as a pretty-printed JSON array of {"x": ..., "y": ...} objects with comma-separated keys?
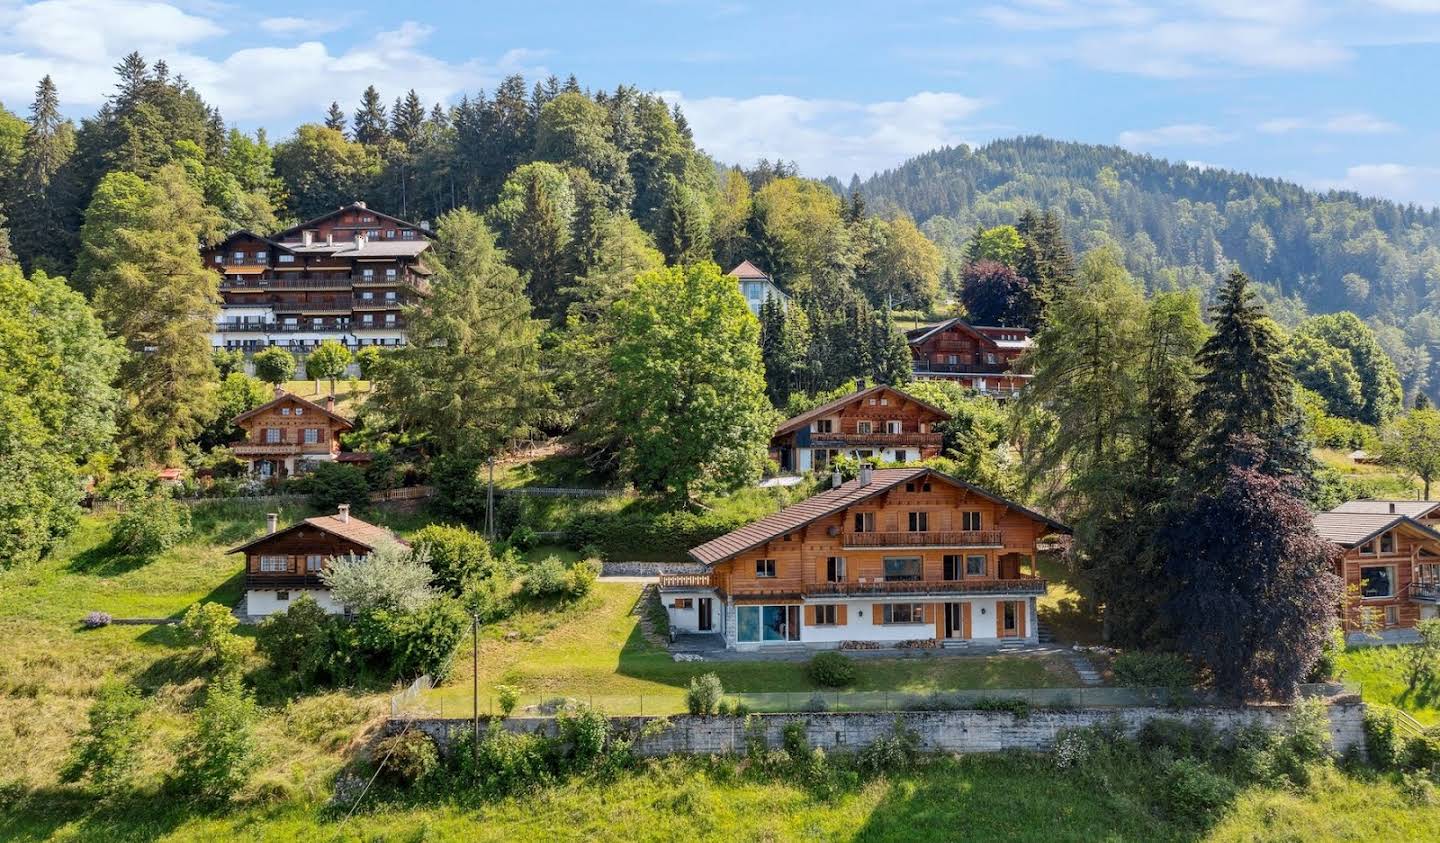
[{"x": 1044, "y": 632}]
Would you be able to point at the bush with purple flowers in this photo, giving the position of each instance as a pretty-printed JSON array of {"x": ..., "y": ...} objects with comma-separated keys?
[{"x": 95, "y": 620}]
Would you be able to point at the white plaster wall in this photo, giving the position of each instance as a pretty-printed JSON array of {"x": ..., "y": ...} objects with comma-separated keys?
[
  {"x": 265, "y": 602},
  {"x": 860, "y": 626},
  {"x": 688, "y": 620}
]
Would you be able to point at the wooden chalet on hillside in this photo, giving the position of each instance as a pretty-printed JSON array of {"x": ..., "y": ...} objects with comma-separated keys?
[
  {"x": 896, "y": 556},
  {"x": 345, "y": 276},
  {"x": 1388, "y": 554},
  {"x": 981, "y": 358},
  {"x": 287, "y": 435},
  {"x": 878, "y": 423},
  {"x": 282, "y": 565}
]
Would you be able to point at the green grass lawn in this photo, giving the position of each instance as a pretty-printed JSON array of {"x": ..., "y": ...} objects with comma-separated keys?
[
  {"x": 1380, "y": 673},
  {"x": 1062, "y": 607}
]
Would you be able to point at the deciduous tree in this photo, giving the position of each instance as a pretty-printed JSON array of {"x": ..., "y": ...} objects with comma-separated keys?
[
  {"x": 1413, "y": 443},
  {"x": 274, "y": 365}
]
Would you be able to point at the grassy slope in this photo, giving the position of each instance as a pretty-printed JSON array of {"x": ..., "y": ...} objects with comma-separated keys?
[{"x": 1380, "y": 673}]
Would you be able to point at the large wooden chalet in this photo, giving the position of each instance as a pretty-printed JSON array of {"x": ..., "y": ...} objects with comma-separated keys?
[
  {"x": 344, "y": 276},
  {"x": 1388, "y": 554},
  {"x": 283, "y": 565},
  {"x": 897, "y": 556},
  {"x": 878, "y": 423},
  {"x": 981, "y": 358},
  {"x": 286, "y": 435}
]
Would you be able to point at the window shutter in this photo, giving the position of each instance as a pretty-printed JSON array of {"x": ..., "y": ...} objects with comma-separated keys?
[
  {"x": 877, "y": 614},
  {"x": 965, "y": 620},
  {"x": 1024, "y": 613},
  {"x": 927, "y": 612},
  {"x": 999, "y": 618},
  {"x": 840, "y": 614},
  {"x": 810, "y": 615}
]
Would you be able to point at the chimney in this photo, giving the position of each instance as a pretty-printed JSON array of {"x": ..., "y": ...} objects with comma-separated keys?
[
  {"x": 360, "y": 204},
  {"x": 864, "y": 474},
  {"x": 359, "y": 239},
  {"x": 344, "y": 515},
  {"x": 424, "y": 225},
  {"x": 329, "y": 238},
  {"x": 330, "y": 403},
  {"x": 859, "y": 384},
  {"x": 307, "y": 237},
  {"x": 279, "y": 391},
  {"x": 272, "y": 521},
  {"x": 836, "y": 479},
  {"x": 1392, "y": 507}
]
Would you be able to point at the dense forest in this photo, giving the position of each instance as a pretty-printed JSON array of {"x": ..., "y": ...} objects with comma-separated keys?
[{"x": 1184, "y": 227}]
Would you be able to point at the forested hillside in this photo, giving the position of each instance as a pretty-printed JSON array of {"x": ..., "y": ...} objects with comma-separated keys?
[{"x": 1183, "y": 226}]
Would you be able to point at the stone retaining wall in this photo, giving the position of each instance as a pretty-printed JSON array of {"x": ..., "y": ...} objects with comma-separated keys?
[
  {"x": 649, "y": 569},
  {"x": 939, "y": 731}
]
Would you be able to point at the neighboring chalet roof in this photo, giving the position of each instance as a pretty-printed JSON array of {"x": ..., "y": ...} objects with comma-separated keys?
[
  {"x": 363, "y": 533},
  {"x": 826, "y": 409},
  {"x": 353, "y": 206},
  {"x": 1349, "y": 529},
  {"x": 371, "y": 249},
  {"x": 748, "y": 270},
  {"x": 1412, "y": 508},
  {"x": 309, "y": 405},
  {"x": 834, "y": 500},
  {"x": 245, "y": 232},
  {"x": 918, "y": 335}
]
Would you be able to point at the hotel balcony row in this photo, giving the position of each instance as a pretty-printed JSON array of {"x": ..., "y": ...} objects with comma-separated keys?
[
  {"x": 867, "y": 588},
  {"x": 306, "y": 282},
  {"x": 307, "y": 327},
  {"x": 961, "y": 368},
  {"x": 878, "y": 440}
]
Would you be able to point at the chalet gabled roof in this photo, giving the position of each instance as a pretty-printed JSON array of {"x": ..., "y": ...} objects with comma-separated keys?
[
  {"x": 309, "y": 405},
  {"x": 916, "y": 336},
  {"x": 1412, "y": 508},
  {"x": 245, "y": 232},
  {"x": 830, "y": 407},
  {"x": 1349, "y": 529},
  {"x": 363, "y": 533},
  {"x": 834, "y": 500},
  {"x": 353, "y": 206},
  {"x": 748, "y": 270}
]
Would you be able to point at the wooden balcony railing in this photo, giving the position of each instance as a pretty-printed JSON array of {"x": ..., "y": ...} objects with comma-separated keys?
[
  {"x": 1426, "y": 592},
  {"x": 293, "y": 283},
  {"x": 283, "y": 581},
  {"x": 917, "y": 439},
  {"x": 338, "y": 304},
  {"x": 938, "y": 538},
  {"x": 963, "y": 368},
  {"x": 1023, "y": 585},
  {"x": 674, "y": 581}
]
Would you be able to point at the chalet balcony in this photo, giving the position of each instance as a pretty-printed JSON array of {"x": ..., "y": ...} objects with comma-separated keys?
[
  {"x": 280, "y": 327},
  {"x": 290, "y": 283},
  {"x": 884, "y": 588},
  {"x": 1425, "y": 592},
  {"x": 282, "y": 581},
  {"x": 918, "y": 440},
  {"x": 376, "y": 326},
  {"x": 934, "y": 538},
  {"x": 378, "y": 304},
  {"x": 683, "y": 582},
  {"x": 962, "y": 368},
  {"x": 338, "y": 304}
]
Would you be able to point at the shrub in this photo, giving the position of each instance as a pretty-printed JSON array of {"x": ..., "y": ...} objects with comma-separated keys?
[
  {"x": 1305, "y": 741},
  {"x": 501, "y": 762},
  {"x": 1192, "y": 793},
  {"x": 581, "y": 578},
  {"x": 334, "y": 483},
  {"x": 1418, "y": 790},
  {"x": 523, "y": 538},
  {"x": 547, "y": 578},
  {"x": 95, "y": 620},
  {"x": 210, "y": 625},
  {"x": 456, "y": 555},
  {"x": 894, "y": 753},
  {"x": 704, "y": 694},
  {"x": 1327, "y": 667},
  {"x": 832, "y": 670},
  {"x": 391, "y": 577},
  {"x": 585, "y": 731},
  {"x": 508, "y": 696},
  {"x": 1018, "y": 707},
  {"x": 403, "y": 645},
  {"x": 1197, "y": 740},
  {"x": 105, "y": 752},
  {"x": 151, "y": 524},
  {"x": 220, "y": 752},
  {"x": 407, "y": 758},
  {"x": 1423, "y": 753},
  {"x": 1382, "y": 738},
  {"x": 297, "y": 641},
  {"x": 723, "y": 708},
  {"x": 458, "y": 488},
  {"x": 1153, "y": 670},
  {"x": 489, "y": 598}
]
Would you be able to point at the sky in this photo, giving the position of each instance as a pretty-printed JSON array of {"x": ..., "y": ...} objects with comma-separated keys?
[{"x": 1327, "y": 94}]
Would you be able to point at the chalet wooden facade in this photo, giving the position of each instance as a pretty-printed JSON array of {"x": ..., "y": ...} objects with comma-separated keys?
[
  {"x": 878, "y": 423},
  {"x": 282, "y": 565},
  {"x": 344, "y": 276},
  {"x": 287, "y": 434},
  {"x": 1390, "y": 564},
  {"x": 981, "y": 358},
  {"x": 896, "y": 556}
]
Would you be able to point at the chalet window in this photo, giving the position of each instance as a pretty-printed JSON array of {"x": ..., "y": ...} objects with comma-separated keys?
[
  {"x": 924, "y": 487},
  {"x": 902, "y": 569},
  {"x": 272, "y": 435},
  {"x": 835, "y": 569},
  {"x": 407, "y": 234},
  {"x": 825, "y": 426},
  {"x": 262, "y": 257},
  {"x": 299, "y": 411},
  {"x": 367, "y": 274},
  {"x": 239, "y": 257},
  {"x": 312, "y": 436},
  {"x": 903, "y": 613},
  {"x": 287, "y": 258},
  {"x": 825, "y": 615},
  {"x": 374, "y": 234},
  {"x": 919, "y": 522},
  {"x": 863, "y": 427},
  {"x": 391, "y": 272},
  {"x": 970, "y": 520},
  {"x": 282, "y": 596},
  {"x": 389, "y": 295},
  {"x": 884, "y": 402},
  {"x": 1387, "y": 543},
  {"x": 367, "y": 319},
  {"x": 284, "y": 411},
  {"x": 767, "y": 623},
  {"x": 894, "y": 426},
  {"x": 989, "y": 358},
  {"x": 764, "y": 568},
  {"x": 683, "y": 603},
  {"x": 1377, "y": 582},
  {"x": 901, "y": 455},
  {"x": 219, "y": 258},
  {"x": 274, "y": 564},
  {"x": 954, "y": 568},
  {"x": 952, "y": 359},
  {"x": 1368, "y": 548},
  {"x": 864, "y": 522},
  {"x": 975, "y": 566},
  {"x": 314, "y": 562},
  {"x": 389, "y": 234},
  {"x": 389, "y": 319},
  {"x": 1392, "y": 615},
  {"x": 367, "y": 218}
]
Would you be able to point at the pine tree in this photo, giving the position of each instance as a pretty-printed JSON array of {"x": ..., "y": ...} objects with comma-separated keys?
[
  {"x": 370, "y": 126},
  {"x": 893, "y": 362},
  {"x": 42, "y": 227},
  {"x": 1422, "y": 401},
  {"x": 684, "y": 234},
  {"x": 335, "y": 118},
  {"x": 1046, "y": 262},
  {"x": 537, "y": 241},
  {"x": 134, "y": 74}
]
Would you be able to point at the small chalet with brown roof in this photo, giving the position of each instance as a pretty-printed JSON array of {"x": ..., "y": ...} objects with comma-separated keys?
[
  {"x": 879, "y": 423},
  {"x": 978, "y": 357},
  {"x": 904, "y": 556},
  {"x": 289, "y": 434},
  {"x": 1390, "y": 563},
  {"x": 756, "y": 286},
  {"x": 282, "y": 565}
]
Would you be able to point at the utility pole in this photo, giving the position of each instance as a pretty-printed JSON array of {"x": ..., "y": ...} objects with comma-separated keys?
[
  {"x": 490, "y": 503},
  {"x": 475, "y": 686}
]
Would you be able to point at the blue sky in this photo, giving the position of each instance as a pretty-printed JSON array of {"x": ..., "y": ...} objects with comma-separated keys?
[{"x": 1324, "y": 93}]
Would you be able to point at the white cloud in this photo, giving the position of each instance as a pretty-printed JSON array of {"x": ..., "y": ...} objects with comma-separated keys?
[
  {"x": 825, "y": 136},
  {"x": 1177, "y": 134},
  {"x": 1355, "y": 123},
  {"x": 300, "y": 26},
  {"x": 79, "y": 41},
  {"x": 1400, "y": 182},
  {"x": 1419, "y": 7}
]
